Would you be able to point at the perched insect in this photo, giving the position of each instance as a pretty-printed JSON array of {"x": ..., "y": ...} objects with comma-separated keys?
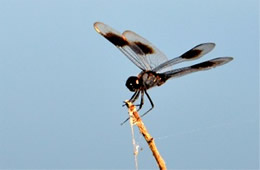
[{"x": 156, "y": 68}]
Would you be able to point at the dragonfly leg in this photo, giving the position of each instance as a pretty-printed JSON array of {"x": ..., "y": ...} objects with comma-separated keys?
[
  {"x": 135, "y": 96},
  {"x": 132, "y": 100},
  {"x": 142, "y": 100},
  {"x": 150, "y": 102}
]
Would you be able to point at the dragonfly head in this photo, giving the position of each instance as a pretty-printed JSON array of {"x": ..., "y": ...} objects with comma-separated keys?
[{"x": 133, "y": 83}]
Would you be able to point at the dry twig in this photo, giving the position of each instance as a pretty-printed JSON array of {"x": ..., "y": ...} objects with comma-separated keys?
[{"x": 149, "y": 139}]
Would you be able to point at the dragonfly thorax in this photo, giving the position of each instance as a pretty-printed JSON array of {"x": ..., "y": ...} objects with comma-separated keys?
[
  {"x": 151, "y": 79},
  {"x": 145, "y": 80}
]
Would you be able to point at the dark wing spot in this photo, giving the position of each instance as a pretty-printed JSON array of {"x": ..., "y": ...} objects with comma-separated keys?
[
  {"x": 191, "y": 54},
  {"x": 206, "y": 64},
  {"x": 145, "y": 48},
  {"x": 116, "y": 40}
]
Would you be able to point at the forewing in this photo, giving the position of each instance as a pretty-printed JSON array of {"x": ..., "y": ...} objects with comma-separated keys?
[
  {"x": 198, "y": 67},
  {"x": 150, "y": 54},
  {"x": 194, "y": 53},
  {"x": 129, "y": 49}
]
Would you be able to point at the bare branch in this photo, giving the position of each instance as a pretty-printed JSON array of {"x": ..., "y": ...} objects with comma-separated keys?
[{"x": 149, "y": 139}]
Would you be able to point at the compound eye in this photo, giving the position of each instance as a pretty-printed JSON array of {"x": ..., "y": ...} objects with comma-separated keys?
[{"x": 132, "y": 83}]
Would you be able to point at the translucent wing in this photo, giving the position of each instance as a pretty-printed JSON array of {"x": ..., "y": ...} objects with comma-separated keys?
[
  {"x": 151, "y": 55},
  {"x": 194, "y": 53},
  {"x": 197, "y": 67},
  {"x": 131, "y": 50}
]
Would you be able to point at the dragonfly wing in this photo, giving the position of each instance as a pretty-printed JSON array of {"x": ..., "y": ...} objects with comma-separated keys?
[
  {"x": 197, "y": 67},
  {"x": 193, "y": 54},
  {"x": 151, "y": 55},
  {"x": 129, "y": 49}
]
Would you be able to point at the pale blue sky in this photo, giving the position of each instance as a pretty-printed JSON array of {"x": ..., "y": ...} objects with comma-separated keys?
[{"x": 62, "y": 85}]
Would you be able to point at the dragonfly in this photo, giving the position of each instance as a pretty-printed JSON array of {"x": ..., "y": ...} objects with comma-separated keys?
[{"x": 155, "y": 67}]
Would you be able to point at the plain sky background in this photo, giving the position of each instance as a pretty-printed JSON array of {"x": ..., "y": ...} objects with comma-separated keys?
[{"x": 62, "y": 85}]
